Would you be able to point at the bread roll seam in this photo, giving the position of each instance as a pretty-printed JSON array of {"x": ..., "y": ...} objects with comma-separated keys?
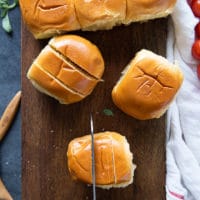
[{"x": 75, "y": 11}]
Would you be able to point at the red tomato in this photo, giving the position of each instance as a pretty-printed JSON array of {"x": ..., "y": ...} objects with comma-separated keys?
[
  {"x": 195, "y": 5},
  {"x": 189, "y": 2},
  {"x": 198, "y": 71},
  {"x": 196, "y": 49},
  {"x": 197, "y": 30}
]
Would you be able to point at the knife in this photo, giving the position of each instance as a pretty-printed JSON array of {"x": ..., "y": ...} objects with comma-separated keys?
[{"x": 93, "y": 158}]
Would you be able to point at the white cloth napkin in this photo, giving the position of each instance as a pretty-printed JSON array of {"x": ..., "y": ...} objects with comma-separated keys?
[{"x": 183, "y": 116}]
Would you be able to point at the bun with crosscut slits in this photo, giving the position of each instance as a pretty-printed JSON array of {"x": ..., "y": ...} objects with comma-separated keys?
[
  {"x": 148, "y": 86},
  {"x": 68, "y": 68}
]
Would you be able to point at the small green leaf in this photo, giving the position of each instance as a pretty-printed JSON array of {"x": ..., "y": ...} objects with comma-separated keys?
[
  {"x": 4, "y": 8},
  {"x": 3, "y": 13},
  {"x": 6, "y": 24},
  {"x": 108, "y": 112},
  {"x": 11, "y": 6}
]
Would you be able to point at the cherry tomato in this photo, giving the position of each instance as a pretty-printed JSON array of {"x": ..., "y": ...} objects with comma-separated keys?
[
  {"x": 196, "y": 49},
  {"x": 195, "y": 5},
  {"x": 189, "y": 2},
  {"x": 198, "y": 71},
  {"x": 197, "y": 30}
]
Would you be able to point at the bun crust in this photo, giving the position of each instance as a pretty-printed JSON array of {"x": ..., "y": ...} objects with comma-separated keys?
[
  {"x": 47, "y": 84},
  {"x": 147, "y": 86},
  {"x": 53, "y": 71},
  {"x": 62, "y": 70},
  {"x": 46, "y": 18},
  {"x": 81, "y": 52},
  {"x": 113, "y": 160}
]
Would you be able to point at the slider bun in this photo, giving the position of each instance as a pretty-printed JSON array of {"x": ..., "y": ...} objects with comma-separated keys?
[
  {"x": 54, "y": 73},
  {"x": 49, "y": 17},
  {"x": 147, "y": 86},
  {"x": 113, "y": 160},
  {"x": 46, "y": 18}
]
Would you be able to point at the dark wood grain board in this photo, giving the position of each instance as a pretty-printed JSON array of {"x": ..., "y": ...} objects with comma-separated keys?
[{"x": 47, "y": 126}]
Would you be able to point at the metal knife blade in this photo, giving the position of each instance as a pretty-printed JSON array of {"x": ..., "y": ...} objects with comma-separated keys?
[{"x": 93, "y": 158}]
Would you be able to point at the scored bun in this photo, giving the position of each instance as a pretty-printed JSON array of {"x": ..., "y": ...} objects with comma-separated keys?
[
  {"x": 47, "y": 18},
  {"x": 113, "y": 160},
  {"x": 67, "y": 76},
  {"x": 147, "y": 87}
]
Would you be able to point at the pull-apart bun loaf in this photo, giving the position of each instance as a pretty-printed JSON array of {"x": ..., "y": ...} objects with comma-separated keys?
[
  {"x": 68, "y": 68},
  {"x": 113, "y": 160},
  {"x": 46, "y": 18}
]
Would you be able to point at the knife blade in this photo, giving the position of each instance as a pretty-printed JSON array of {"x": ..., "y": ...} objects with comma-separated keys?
[{"x": 93, "y": 158}]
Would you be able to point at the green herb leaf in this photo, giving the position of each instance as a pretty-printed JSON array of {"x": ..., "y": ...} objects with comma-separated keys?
[
  {"x": 4, "y": 8},
  {"x": 11, "y": 6},
  {"x": 3, "y": 13},
  {"x": 108, "y": 112},
  {"x": 6, "y": 24}
]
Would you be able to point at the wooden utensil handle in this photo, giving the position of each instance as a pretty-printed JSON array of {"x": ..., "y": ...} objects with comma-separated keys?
[
  {"x": 9, "y": 114},
  {"x": 4, "y": 194}
]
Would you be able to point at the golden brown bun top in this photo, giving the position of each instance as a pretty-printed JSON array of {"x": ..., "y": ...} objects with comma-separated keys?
[
  {"x": 113, "y": 160},
  {"x": 49, "y": 15},
  {"x": 81, "y": 52},
  {"x": 148, "y": 86}
]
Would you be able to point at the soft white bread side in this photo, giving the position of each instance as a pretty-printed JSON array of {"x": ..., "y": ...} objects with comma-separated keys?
[
  {"x": 113, "y": 160},
  {"x": 147, "y": 86},
  {"x": 143, "y": 10},
  {"x": 49, "y": 17}
]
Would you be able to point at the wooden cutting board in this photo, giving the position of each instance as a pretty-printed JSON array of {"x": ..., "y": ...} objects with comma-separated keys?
[{"x": 47, "y": 126}]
